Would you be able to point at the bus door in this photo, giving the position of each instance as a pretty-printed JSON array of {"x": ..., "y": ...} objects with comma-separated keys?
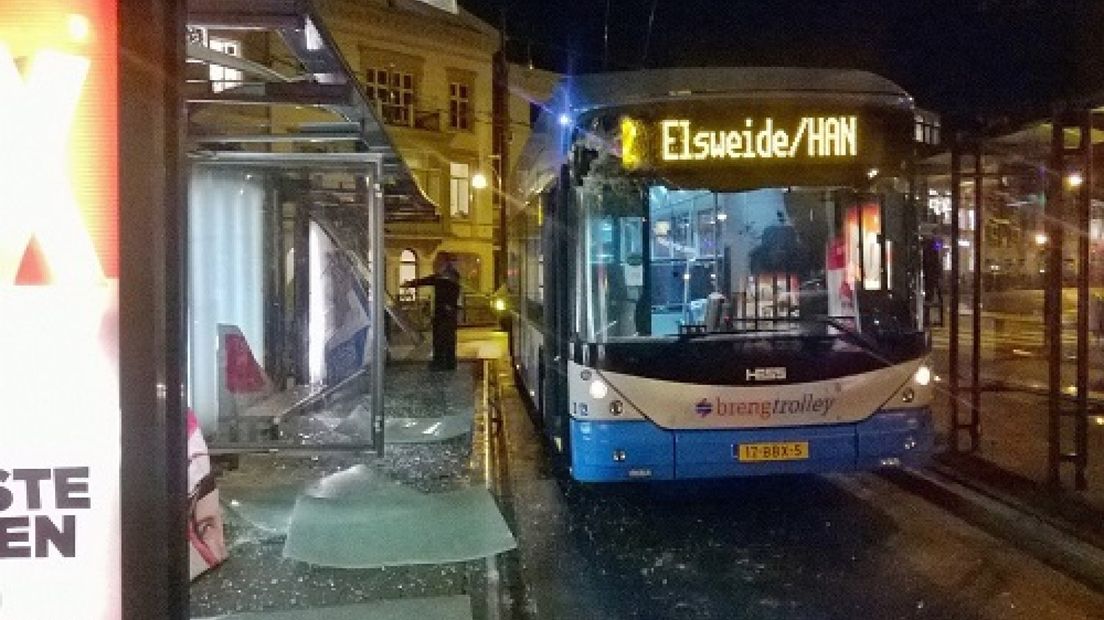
[{"x": 557, "y": 236}]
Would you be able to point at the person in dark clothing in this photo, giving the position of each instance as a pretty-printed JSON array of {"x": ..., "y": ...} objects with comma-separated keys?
[{"x": 446, "y": 296}]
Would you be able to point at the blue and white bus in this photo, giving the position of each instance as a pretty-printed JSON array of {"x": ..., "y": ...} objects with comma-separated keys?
[{"x": 716, "y": 272}]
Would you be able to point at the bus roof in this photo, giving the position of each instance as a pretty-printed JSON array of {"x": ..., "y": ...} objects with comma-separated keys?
[{"x": 586, "y": 92}]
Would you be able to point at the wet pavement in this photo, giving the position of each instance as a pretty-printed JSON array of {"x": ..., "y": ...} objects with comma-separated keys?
[{"x": 804, "y": 547}]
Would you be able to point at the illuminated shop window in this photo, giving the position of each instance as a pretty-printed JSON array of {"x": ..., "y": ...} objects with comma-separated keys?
[
  {"x": 864, "y": 230},
  {"x": 927, "y": 128},
  {"x": 459, "y": 190}
]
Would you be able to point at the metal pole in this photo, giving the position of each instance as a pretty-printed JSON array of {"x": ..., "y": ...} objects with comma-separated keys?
[
  {"x": 379, "y": 344},
  {"x": 859, "y": 208},
  {"x": 1053, "y": 300},
  {"x": 152, "y": 568},
  {"x": 648, "y": 37},
  {"x": 605, "y": 39},
  {"x": 301, "y": 266},
  {"x": 274, "y": 287},
  {"x": 716, "y": 242},
  {"x": 1084, "y": 206},
  {"x": 500, "y": 144},
  {"x": 956, "y": 266},
  {"x": 646, "y": 258},
  {"x": 914, "y": 258},
  {"x": 975, "y": 360}
]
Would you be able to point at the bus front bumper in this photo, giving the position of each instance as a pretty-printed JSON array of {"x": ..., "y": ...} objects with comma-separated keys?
[{"x": 640, "y": 450}]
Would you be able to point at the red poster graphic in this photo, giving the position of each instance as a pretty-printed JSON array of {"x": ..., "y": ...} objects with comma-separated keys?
[{"x": 842, "y": 301}]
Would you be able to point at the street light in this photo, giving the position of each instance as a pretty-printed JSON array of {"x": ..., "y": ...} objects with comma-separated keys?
[
  {"x": 1040, "y": 238},
  {"x": 479, "y": 181},
  {"x": 1075, "y": 179}
]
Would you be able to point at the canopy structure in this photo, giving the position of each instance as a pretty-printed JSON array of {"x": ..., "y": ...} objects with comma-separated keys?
[{"x": 291, "y": 62}]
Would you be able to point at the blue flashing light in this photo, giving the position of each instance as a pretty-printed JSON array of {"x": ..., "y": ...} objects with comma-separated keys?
[{"x": 565, "y": 119}]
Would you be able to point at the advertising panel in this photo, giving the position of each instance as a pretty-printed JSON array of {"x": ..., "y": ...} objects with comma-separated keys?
[
  {"x": 59, "y": 271},
  {"x": 206, "y": 539},
  {"x": 339, "y": 322}
]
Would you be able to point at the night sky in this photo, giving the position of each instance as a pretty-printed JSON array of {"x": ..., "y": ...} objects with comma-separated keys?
[{"x": 955, "y": 56}]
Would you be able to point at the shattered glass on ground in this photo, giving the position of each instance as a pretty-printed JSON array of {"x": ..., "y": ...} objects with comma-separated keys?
[
  {"x": 260, "y": 497},
  {"x": 355, "y": 519},
  {"x": 420, "y": 405}
]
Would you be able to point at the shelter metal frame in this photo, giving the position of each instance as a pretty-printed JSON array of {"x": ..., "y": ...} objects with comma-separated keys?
[{"x": 1062, "y": 144}]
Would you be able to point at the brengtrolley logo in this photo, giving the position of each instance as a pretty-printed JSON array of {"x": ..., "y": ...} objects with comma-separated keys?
[
  {"x": 704, "y": 407},
  {"x": 764, "y": 409}
]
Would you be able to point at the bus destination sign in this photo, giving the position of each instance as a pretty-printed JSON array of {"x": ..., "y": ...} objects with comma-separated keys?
[
  {"x": 813, "y": 137},
  {"x": 757, "y": 139}
]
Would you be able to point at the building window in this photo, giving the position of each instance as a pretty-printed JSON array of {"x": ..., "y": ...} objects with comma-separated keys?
[
  {"x": 459, "y": 190},
  {"x": 459, "y": 106},
  {"x": 224, "y": 77},
  {"x": 393, "y": 91},
  {"x": 408, "y": 270},
  {"x": 429, "y": 181},
  {"x": 927, "y": 128}
]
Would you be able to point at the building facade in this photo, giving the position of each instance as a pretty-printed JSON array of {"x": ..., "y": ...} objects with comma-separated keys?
[
  {"x": 429, "y": 72},
  {"x": 428, "y": 68}
]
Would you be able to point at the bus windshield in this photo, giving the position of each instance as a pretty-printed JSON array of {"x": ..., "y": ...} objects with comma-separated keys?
[{"x": 658, "y": 261}]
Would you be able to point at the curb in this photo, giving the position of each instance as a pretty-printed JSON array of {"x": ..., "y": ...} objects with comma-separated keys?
[
  {"x": 1057, "y": 521},
  {"x": 1042, "y": 536}
]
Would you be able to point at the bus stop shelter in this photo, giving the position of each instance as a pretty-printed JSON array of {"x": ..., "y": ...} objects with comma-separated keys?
[{"x": 289, "y": 170}]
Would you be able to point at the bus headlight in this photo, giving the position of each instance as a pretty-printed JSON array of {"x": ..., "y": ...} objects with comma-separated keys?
[
  {"x": 908, "y": 395},
  {"x": 923, "y": 375},
  {"x": 598, "y": 389}
]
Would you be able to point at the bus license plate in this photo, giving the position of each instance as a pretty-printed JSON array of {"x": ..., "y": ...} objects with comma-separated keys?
[{"x": 774, "y": 451}]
